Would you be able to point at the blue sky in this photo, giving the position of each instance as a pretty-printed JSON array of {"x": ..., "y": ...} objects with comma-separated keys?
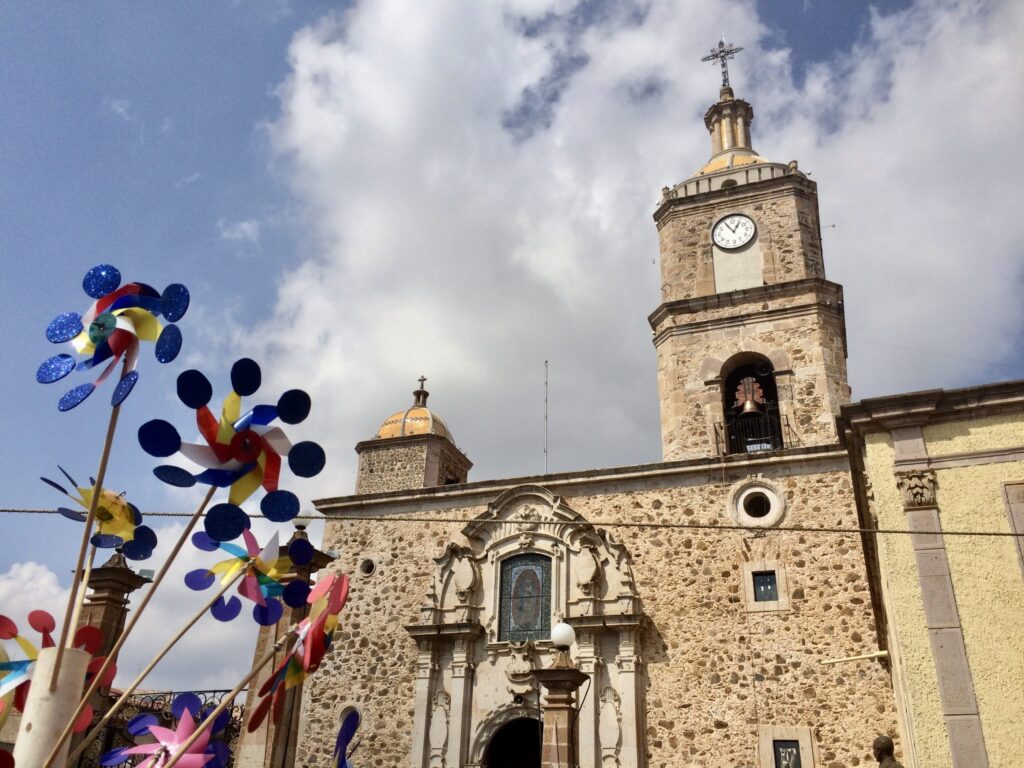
[{"x": 350, "y": 202}]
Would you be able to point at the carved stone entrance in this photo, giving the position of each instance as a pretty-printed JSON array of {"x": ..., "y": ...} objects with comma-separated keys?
[{"x": 515, "y": 745}]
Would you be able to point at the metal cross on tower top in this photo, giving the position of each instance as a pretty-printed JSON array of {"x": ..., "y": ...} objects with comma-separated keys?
[{"x": 722, "y": 54}]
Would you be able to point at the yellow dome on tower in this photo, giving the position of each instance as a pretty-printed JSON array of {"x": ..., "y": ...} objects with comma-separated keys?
[{"x": 416, "y": 420}]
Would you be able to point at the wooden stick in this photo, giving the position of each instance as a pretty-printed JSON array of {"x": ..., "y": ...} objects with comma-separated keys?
[
  {"x": 230, "y": 697},
  {"x": 86, "y": 535},
  {"x": 132, "y": 621},
  {"x": 83, "y": 588},
  {"x": 149, "y": 668}
]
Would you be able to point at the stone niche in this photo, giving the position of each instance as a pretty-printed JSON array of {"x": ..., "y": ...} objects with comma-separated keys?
[{"x": 472, "y": 679}]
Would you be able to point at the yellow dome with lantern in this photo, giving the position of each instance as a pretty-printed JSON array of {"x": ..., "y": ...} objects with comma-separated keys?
[{"x": 415, "y": 420}]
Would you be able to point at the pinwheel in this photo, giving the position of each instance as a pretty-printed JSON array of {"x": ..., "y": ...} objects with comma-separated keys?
[
  {"x": 17, "y": 674},
  {"x": 120, "y": 522},
  {"x": 242, "y": 451},
  {"x": 262, "y": 582},
  {"x": 349, "y": 725},
  {"x": 110, "y": 330},
  {"x": 313, "y": 637},
  {"x": 168, "y": 741}
]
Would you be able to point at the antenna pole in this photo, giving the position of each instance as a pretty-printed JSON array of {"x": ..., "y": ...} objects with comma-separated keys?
[{"x": 545, "y": 417}]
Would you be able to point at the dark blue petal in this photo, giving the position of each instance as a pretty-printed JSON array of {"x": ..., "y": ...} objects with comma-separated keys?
[
  {"x": 200, "y": 579},
  {"x": 169, "y": 344},
  {"x": 345, "y": 734},
  {"x": 226, "y": 610},
  {"x": 64, "y": 327},
  {"x": 175, "y": 476},
  {"x": 124, "y": 388},
  {"x": 75, "y": 396},
  {"x": 225, "y": 522},
  {"x": 245, "y": 376},
  {"x": 269, "y": 614},
  {"x": 184, "y": 701},
  {"x": 174, "y": 302},
  {"x": 72, "y": 514},
  {"x": 55, "y": 369},
  {"x": 306, "y": 459},
  {"x": 219, "y": 724},
  {"x": 202, "y": 541},
  {"x": 116, "y": 756},
  {"x": 101, "y": 280},
  {"x": 52, "y": 484},
  {"x": 159, "y": 438},
  {"x": 136, "y": 552},
  {"x": 106, "y": 540},
  {"x": 300, "y": 551},
  {"x": 295, "y": 593},
  {"x": 293, "y": 406},
  {"x": 136, "y": 515},
  {"x": 280, "y": 506},
  {"x": 145, "y": 536},
  {"x": 194, "y": 389},
  {"x": 139, "y": 724}
]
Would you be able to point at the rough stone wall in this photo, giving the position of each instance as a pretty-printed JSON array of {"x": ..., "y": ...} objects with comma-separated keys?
[
  {"x": 391, "y": 468},
  {"x": 810, "y": 397},
  {"x": 714, "y": 672},
  {"x": 787, "y": 225}
]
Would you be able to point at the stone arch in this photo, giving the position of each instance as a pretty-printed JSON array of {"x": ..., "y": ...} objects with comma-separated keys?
[{"x": 493, "y": 723}]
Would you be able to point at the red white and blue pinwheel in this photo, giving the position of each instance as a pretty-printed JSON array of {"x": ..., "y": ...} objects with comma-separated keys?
[
  {"x": 205, "y": 751},
  {"x": 243, "y": 451},
  {"x": 265, "y": 572},
  {"x": 110, "y": 330}
]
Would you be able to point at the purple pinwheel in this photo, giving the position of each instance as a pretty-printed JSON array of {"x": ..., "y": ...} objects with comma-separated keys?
[
  {"x": 110, "y": 330},
  {"x": 243, "y": 451},
  {"x": 204, "y": 752},
  {"x": 265, "y": 571}
]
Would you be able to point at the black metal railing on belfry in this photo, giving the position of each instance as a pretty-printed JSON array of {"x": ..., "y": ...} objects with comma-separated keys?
[{"x": 752, "y": 432}]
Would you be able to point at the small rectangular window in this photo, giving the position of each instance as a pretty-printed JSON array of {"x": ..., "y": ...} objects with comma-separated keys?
[
  {"x": 787, "y": 753},
  {"x": 766, "y": 588}
]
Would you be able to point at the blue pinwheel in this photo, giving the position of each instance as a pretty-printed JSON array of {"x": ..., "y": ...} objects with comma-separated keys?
[
  {"x": 347, "y": 732},
  {"x": 243, "y": 451},
  {"x": 110, "y": 330}
]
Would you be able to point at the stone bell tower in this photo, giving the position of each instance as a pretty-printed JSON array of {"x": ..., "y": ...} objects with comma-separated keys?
[{"x": 750, "y": 336}]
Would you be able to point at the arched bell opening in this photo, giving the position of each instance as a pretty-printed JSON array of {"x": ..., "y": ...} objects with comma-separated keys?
[
  {"x": 517, "y": 744},
  {"x": 750, "y": 402}
]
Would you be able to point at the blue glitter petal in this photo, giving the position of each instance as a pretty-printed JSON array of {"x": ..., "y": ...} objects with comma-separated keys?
[
  {"x": 280, "y": 506},
  {"x": 295, "y": 594},
  {"x": 269, "y": 614},
  {"x": 200, "y": 579},
  {"x": 174, "y": 302},
  {"x": 225, "y": 522},
  {"x": 202, "y": 541},
  {"x": 101, "y": 280},
  {"x": 75, "y": 396},
  {"x": 306, "y": 459},
  {"x": 145, "y": 536},
  {"x": 175, "y": 476},
  {"x": 189, "y": 701},
  {"x": 300, "y": 551},
  {"x": 159, "y": 438},
  {"x": 293, "y": 406},
  {"x": 64, "y": 327},
  {"x": 226, "y": 610},
  {"x": 194, "y": 389},
  {"x": 169, "y": 344},
  {"x": 55, "y": 369},
  {"x": 106, "y": 540},
  {"x": 124, "y": 388},
  {"x": 134, "y": 551},
  {"x": 245, "y": 376}
]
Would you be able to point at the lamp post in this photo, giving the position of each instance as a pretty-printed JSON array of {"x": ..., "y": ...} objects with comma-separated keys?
[{"x": 561, "y": 679}]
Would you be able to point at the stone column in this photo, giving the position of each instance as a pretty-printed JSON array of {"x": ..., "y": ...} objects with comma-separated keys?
[
  {"x": 425, "y": 665},
  {"x": 586, "y": 728},
  {"x": 716, "y": 138},
  {"x": 462, "y": 699},
  {"x": 628, "y": 662},
  {"x": 561, "y": 680}
]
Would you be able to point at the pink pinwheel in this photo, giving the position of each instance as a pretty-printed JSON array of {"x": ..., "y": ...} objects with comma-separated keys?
[
  {"x": 262, "y": 583},
  {"x": 312, "y": 640},
  {"x": 168, "y": 742}
]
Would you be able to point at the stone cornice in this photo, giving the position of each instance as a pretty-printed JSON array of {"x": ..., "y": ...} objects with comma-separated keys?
[
  {"x": 386, "y": 442},
  {"x": 750, "y": 193},
  {"x": 596, "y": 481},
  {"x": 882, "y": 414}
]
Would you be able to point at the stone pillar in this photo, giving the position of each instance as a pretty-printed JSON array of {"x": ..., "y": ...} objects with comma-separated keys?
[
  {"x": 425, "y": 665},
  {"x": 716, "y": 138},
  {"x": 942, "y": 618},
  {"x": 106, "y": 604},
  {"x": 461, "y": 700},
  {"x": 561, "y": 680},
  {"x": 628, "y": 662},
  {"x": 587, "y": 727}
]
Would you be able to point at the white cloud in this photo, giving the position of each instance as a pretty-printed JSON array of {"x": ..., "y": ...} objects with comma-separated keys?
[
  {"x": 122, "y": 108},
  {"x": 188, "y": 181},
  {"x": 245, "y": 231},
  {"x": 445, "y": 246}
]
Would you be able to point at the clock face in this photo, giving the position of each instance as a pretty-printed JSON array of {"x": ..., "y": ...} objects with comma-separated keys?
[{"x": 733, "y": 231}]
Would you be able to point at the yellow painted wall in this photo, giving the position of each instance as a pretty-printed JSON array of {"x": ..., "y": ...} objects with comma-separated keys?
[{"x": 986, "y": 580}]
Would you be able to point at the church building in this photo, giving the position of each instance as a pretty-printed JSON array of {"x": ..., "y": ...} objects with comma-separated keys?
[{"x": 715, "y": 606}]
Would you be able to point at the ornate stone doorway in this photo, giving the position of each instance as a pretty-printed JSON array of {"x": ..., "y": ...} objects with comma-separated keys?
[{"x": 515, "y": 745}]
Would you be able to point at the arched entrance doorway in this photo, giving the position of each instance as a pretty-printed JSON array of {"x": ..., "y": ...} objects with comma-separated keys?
[{"x": 515, "y": 745}]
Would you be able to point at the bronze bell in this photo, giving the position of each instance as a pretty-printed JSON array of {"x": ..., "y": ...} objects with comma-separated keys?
[{"x": 750, "y": 407}]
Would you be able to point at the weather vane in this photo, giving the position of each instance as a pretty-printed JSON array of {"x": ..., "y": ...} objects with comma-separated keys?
[{"x": 722, "y": 54}]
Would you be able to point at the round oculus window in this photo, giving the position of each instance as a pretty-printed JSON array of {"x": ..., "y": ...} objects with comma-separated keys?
[{"x": 756, "y": 504}]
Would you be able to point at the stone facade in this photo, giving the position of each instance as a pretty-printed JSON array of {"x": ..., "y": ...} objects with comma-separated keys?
[{"x": 413, "y": 461}]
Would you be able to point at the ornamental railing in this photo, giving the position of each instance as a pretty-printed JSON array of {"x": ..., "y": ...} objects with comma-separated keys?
[{"x": 752, "y": 433}]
